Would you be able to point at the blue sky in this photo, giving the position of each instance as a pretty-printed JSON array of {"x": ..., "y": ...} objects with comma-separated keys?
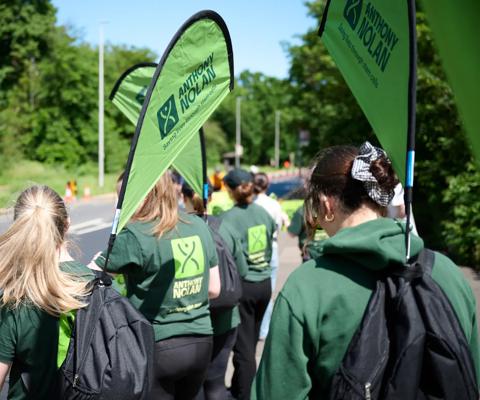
[{"x": 257, "y": 27}]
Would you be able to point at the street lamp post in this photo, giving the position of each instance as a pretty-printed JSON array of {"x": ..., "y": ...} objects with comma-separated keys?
[
  {"x": 238, "y": 134},
  {"x": 277, "y": 138},
  {"x": 101, "y": 151}
]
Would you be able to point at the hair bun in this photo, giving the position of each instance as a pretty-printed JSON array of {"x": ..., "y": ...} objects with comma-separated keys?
[{"x": 382, "y": 170}]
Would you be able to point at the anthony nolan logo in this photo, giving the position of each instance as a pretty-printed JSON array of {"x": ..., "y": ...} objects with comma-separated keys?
[
  {"x": 167, "y": 117},
  {"x": 188, "y": 256},
  {"x": 140, "y": 97},
  {"x": 257, "y": 239},
  {"x": 352, "y": 12}
]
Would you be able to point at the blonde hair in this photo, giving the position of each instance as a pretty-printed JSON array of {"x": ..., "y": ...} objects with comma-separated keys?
[
  {"x": 160, "y": 205},
  {"x": 29, "y": 255}
]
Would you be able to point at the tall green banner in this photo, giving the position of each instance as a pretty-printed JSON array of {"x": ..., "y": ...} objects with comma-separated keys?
[
  {"x": 128, "y": 95},
  {"x": 457, "y": 31},
  {"x": 192, "y": 78},
  {"x": 373, "y": 45}
]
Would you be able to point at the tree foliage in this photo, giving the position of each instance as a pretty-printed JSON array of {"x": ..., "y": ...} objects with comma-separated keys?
[{"x": 49, "y": 90}]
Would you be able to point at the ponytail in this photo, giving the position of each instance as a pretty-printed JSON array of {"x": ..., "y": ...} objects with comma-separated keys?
[
  {"x": 243, "y": 194},
  {"x": 29, "y": 256}
]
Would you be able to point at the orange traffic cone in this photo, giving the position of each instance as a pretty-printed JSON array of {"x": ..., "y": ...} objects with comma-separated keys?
[
  {"x": 86, "y": 193},
  {"x": 68, "y": 198}
]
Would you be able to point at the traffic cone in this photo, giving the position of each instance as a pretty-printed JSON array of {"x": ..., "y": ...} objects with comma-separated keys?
[
  {"x": 86, "y": 193},
  {"x": 68, "y": 198}
]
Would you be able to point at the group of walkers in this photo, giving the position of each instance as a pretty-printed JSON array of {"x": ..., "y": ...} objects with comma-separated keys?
[{"x": 170, "y": 260}]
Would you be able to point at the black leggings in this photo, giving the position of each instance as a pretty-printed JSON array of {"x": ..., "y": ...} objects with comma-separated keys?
[
  {"x": 180, "y": 366},
  {"x": 253, "y": 304},
  {"x": 214, "y": 385}
]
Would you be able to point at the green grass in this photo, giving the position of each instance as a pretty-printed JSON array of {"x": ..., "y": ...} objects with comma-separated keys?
[
  {"x": 26, "y": 173},
  {"x": 290, "y": 206}
]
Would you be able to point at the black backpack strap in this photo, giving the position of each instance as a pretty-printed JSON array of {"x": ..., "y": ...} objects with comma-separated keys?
[
  {"x": 425, "y": 259},
  {"x": 214, "y": 223},
  {"x": 417, "y": 266}
]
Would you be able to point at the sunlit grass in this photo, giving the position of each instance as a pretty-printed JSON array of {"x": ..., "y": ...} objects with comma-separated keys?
[{"x": 23, "y": 174}]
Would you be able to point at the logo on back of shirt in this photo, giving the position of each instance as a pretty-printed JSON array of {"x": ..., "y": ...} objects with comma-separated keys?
[
  {"x": 188, "y": 257},
  {"x": 257, "y": 239}
]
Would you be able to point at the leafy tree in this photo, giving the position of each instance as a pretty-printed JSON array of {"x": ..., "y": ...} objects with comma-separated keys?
[{"x": 261, "y": 96}]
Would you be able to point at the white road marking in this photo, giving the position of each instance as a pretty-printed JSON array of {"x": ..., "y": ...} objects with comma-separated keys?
[{"x": 92, "y": 225}]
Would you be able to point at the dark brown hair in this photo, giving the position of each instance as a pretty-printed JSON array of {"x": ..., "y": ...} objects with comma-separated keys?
[
  {"x": 243, "y": 194},
  {"x": 331, "y": 176},
  {"x": 260, "y": 182}
]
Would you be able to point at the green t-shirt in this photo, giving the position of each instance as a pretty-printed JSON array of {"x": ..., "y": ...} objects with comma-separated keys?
[
  {"x": 29, "y": 340},
  {"x": 167, "y": 277},
  {"x": 255, "y": 227},
  {"x": 229, "y": 319},
  {"x": 297, "y": 228}
]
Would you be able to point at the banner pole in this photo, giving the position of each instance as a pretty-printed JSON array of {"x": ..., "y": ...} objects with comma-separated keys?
[
  {"x": 412, "y": 87},
  {"x": 204, "y": 169}
]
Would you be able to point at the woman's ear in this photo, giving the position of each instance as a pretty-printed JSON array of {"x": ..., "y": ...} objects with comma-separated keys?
[{"x": 328, "y": 206}]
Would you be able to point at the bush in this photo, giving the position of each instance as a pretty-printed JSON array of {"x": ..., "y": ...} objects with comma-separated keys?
[{"x": 462, "y": 231}]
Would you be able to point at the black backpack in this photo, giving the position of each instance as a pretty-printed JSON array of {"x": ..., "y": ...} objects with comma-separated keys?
[
  {"x": 231, "y": 283},
  {"x": 110, "y": 355},
  {"x": 409, "y": 345}
]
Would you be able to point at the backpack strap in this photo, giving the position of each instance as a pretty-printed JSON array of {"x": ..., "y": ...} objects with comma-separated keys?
[
  {"x": 417, "y": 266},
  {"x": 214, "y": 223},
  {"x": 425, "y": 259}
]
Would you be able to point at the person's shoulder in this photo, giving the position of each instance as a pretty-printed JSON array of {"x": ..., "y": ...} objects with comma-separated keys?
[
  {"x": 446, "y": 272},
  {"x": 311, "y": 272},
  {"x": 191, "y": 222},
  {"x": 328, "y": 275},
  {"x": 75, "y": 267},
  {"x": 137, "y": 228},
  {"x": 259, "y": 210}
]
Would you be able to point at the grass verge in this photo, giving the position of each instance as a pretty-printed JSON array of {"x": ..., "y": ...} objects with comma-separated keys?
[{"x": 26, "y": 173}]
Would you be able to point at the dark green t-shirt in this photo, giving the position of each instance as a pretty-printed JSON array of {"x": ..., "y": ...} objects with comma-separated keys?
[
  {"x": 229, "y": 319},
  {"x": 29, "y": 340},
  {"x": 297, "y": 228},
  {"x": 167, "y": 277},
  {"x": 255, "y": 227}
]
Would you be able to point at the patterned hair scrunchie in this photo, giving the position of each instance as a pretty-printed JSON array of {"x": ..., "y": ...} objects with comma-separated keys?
[{"x": 361, "y": 172}]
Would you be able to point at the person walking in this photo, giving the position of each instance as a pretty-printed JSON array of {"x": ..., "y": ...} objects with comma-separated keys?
[
  {"x": 224, "y": 321},
  {"x": 309, "y": 247},
  {"x": 272, "y": 206},
  {"x": 256, "y": 228},
  {"x": 40, "y": 283},
  {"x": 169, "y": 262},
  {"x": 323, "y": 301}
]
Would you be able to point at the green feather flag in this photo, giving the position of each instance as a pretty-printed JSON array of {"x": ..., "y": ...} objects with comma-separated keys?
[
  {"x": 191, "y": 80},
  {"x": 128, "y": 96}
]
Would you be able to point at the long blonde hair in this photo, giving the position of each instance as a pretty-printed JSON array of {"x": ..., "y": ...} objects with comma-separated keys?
[
  {"x": 29, "y": 255},
  {"x": 160, "y": 205}
]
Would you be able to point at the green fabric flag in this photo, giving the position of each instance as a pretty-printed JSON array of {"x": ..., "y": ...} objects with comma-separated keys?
[
  {"x": 191, "y": 80},
  {"x": 371, "y": 44},
  {"x": 129, "y": 94},
  {"x": 457, "y": 31}
]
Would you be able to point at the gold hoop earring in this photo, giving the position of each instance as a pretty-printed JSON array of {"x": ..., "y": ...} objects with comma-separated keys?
[{"x": 329, "y": 219}]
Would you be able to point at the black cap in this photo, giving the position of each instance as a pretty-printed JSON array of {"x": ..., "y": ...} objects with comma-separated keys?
[{"x": 236, "y": 177}]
